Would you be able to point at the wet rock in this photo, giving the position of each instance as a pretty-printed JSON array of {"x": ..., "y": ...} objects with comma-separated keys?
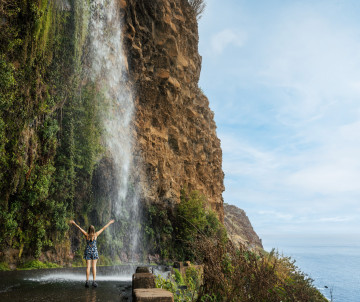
[
  {"x": 124, "y": 257},
  {"x": 154, "y": 258}
]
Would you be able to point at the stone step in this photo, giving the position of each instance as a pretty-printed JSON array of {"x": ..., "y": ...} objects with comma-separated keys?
[
  {"x": 143, "y": 280},
  {"x": 142, "y": 269},
  {"x": 152, "y": 295}
]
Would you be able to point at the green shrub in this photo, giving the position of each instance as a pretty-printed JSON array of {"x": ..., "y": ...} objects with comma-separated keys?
[
  {"x": 159, "y": 231},
  {"x": 36, "y": 264},
  {"x": 171, "y": 231},
  {"x": 178, "y": 277},
  {"x": 180, "y": 295},
  {"x": 193, "y": 278},
  {"x": 194, "y": 219}
]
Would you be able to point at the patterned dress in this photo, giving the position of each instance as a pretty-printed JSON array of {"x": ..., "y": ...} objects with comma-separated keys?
[{"x": 91, "y": 252}]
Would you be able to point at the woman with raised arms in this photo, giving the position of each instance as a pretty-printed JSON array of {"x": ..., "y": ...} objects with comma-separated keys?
[{"x": 91, "y": 253}]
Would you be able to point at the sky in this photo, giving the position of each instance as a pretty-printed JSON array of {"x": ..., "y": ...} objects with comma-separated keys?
[{"x": 283, "y": 79}]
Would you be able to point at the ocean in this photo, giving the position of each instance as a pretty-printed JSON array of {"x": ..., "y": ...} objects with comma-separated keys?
[{"x": 332, "y": 261}]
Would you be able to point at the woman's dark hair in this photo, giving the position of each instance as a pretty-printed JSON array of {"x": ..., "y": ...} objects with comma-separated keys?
[{"x": 91, "y": 232}]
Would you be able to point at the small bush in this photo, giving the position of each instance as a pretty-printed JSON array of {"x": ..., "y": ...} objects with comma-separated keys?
[
  {"x": 170, "y": 232},
  {"x": 194, "y": 219},
  {"x": 178, "y": 277},
  {"x": 193, "y": 278},
  {"x": 181, "y": 294}
]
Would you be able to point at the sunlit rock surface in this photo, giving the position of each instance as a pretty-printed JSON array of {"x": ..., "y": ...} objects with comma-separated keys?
[
  {"x": 239, "y": 228},
  {"x": 175, "y": 128}
]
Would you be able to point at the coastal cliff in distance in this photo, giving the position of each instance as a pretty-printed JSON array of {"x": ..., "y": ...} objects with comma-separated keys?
[
  {"x": 239, "y": 228},
  {"x": 175, "y": 128}
]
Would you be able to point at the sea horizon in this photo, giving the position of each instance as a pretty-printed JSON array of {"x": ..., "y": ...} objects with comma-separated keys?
[{"x": 331, "y": 260}]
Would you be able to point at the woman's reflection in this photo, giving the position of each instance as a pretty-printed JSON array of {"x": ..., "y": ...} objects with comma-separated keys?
[{"x": 91, "y": 295}]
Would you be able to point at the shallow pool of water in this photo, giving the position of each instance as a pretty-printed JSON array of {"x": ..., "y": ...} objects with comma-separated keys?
[{"x": 66, "y": 285}]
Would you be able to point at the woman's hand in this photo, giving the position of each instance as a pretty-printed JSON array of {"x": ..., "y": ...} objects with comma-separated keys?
[
  {"x": 112, "y": 221},
  {"x": 72, "y": 221}
]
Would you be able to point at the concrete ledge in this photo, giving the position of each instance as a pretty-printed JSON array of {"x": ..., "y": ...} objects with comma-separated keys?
[{"x": 152, "y": 295}]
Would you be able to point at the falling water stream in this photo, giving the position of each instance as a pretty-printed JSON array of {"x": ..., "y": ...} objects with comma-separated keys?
[
  {"x": 109, "y": 72},
  {"x": 108, "y": 69}
]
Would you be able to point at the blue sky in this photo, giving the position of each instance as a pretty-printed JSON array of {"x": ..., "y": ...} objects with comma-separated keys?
[{"x": 283, "y": 78}]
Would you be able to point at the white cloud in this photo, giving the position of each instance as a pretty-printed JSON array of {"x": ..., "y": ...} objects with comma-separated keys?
[
  {"x": 326, "y": 179},
  {"x": 335, "y": 219},
  {"x": 334, "y": 165},
  {"x": 313, "y": 58},
  {"x": 225, "y": 38},
  {"x": 292, "y": 101},
  {"x": 245, "y": 159},
  {"x": 277, "y": 215}
]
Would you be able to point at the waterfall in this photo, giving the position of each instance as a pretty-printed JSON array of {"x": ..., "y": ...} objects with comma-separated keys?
[{"x": 108, "y": 70}]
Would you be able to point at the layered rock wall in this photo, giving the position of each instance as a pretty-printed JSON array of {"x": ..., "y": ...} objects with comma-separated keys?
[{"x": 175, "y": 127}]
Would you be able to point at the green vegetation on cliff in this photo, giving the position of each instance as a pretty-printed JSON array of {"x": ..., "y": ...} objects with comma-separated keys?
[
  {"x": 49, "y": 137},
  {"x": 171, "y": 231}
]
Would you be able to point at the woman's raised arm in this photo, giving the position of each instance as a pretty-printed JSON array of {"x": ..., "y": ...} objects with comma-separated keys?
[
  {"x": 100, "y": 231},
  {"x": 82, "y": 231}
]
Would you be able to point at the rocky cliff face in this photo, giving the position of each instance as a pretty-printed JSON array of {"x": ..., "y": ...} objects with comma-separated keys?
[
  {"x": 175, "y": 127},
  {"x": 239, "y": 228}
]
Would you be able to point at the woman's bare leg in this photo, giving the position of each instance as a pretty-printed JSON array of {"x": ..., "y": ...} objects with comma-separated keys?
[
  {"x": 88, "y": 265},
  {"x": 94, "y": 268}
]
